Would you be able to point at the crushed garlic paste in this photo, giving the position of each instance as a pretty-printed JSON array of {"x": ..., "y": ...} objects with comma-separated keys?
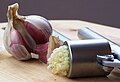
[{"x": 58, "y": 62}]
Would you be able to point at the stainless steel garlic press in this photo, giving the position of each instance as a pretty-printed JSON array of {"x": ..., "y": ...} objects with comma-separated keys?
[{"x": 88, "y": 57}]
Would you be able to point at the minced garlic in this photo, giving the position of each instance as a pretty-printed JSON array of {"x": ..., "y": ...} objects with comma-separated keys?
[{"x": 58, "y": 62}]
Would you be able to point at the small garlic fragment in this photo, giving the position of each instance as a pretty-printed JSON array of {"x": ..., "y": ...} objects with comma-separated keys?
[
  {"x": 58, "y": 62},
  {"x": 54, "y": 42}
]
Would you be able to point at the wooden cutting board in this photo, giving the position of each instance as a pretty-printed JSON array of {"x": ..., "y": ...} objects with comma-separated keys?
[{"x": 12, "y": 70}]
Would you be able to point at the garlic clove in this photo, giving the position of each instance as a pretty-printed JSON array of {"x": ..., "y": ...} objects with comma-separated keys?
[
  {"x": 37, "y": 25},
  {"x": 41, "y": 50},
  {"x": 35, "y": 33},
  {"x": 20, "y": 27},
  {"x": 20, "y": 52}
]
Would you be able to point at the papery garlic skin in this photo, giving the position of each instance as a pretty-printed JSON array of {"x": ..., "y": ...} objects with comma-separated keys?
[
  {"x": 38, "y": 24},
  {"x": 26, "y": 34},
  {"x": 54, "y": 42},
  {"x": 58, "y": 62}
]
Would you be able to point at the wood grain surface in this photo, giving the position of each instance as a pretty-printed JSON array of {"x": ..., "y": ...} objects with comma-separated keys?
[{"x": 12, "y": 70}]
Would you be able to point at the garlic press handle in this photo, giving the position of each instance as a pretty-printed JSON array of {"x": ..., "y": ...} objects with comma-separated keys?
[
  {"x": 108, "y": 61},
  {"x": 115, "y": 63},
  {"x": 87, "y": 33}
]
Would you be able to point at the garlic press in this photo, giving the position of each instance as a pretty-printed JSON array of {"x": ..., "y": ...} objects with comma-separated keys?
[{"x": 88, "y": 56}]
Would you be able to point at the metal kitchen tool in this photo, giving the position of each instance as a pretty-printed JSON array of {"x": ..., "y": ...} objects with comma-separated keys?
[
  {"x": 112, "y": 60},
  {"x": 61, "y": 37},
  {"x": 83, "y": 55}
]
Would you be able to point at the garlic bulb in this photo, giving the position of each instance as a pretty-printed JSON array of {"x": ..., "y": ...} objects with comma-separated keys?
[{"x": 26, "y": 34}]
